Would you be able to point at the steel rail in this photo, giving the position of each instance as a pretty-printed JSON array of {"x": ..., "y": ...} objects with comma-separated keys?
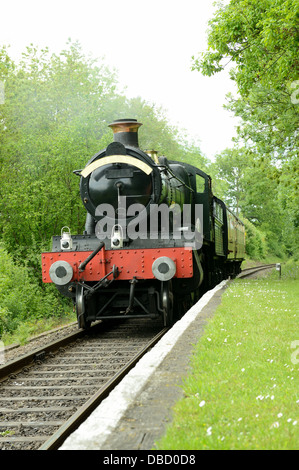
[
  {"x": 254, "y": 269},
  {"x": 16, "y": 365},
  {"x": 54, "y": 442}
]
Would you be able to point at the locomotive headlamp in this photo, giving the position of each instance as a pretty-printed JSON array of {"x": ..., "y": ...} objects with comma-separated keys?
[
  {"x": 66, "y": 242},
  {"x": 117, "y": 236},
  {"x": 164, "y": 268},
  {"x": 61, "y": 272}
]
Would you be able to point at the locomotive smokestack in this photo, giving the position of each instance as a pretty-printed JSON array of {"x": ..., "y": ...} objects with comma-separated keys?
[{"x": 126, "y": 131}]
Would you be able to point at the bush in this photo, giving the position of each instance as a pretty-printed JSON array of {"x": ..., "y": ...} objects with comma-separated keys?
[
  {"x": 21, "y": 296},
  {"x": 256, "y": 245},
  {"x": 290, "y": 270}
]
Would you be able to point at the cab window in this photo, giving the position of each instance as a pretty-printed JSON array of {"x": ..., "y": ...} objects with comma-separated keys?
[{"x": 200, "y": 184}]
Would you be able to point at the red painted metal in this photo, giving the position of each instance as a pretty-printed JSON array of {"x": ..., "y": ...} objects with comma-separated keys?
[{"x": 130, "y": 263}]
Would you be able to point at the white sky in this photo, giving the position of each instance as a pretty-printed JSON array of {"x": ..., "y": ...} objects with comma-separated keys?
[{"x": 149, "y": 42}]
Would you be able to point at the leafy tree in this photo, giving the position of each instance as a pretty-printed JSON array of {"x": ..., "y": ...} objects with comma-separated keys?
[
  {"x": 260, "y": 39},
  {"x": 55, "y": 117},
  {"x": 51, "y": 125},
  {"x": 256, "y": 241},
  {"x": 230, "y": 166},
  {"x": 255, "y": 194}
]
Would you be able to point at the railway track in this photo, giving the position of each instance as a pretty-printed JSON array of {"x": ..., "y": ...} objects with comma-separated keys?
[
  {"x": 248, "y": 272},
  {"x": 48, "y": 393}
]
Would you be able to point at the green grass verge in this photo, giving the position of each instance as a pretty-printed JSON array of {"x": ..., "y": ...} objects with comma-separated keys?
[
  {"x": 242, "y": 392},
  {"x": 30, "y": 328}
]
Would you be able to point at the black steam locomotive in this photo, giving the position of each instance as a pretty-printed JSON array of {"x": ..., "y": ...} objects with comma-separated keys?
[{"x": 155, "y": 239}]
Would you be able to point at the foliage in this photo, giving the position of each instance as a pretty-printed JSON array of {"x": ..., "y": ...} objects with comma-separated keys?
[
  {"x": 50, "y": 126},
  {"x": 256, "y": 245},
  {"x": 290, "y": 270},
  {"x": 254, "y": 194},
  {"x": 260, "y": 40},
  {"x": 260, "y": 37},
  {"x": 55, "y": 118},
  {"x": 230, "y": 167},
  {"x": 21, "y": 297}
]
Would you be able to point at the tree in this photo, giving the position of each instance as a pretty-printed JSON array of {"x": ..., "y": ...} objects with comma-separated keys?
[
  {"x": 51, "y": 123},
  {"x": 230, "y": 167},
  {"x": 55, "y": 118},
  {"x": 260, "y": 39}
]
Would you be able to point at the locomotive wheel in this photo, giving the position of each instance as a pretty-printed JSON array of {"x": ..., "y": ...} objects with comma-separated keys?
[
  {"x": 167, "y": 303},
  {"x": 80, "y": 309}
]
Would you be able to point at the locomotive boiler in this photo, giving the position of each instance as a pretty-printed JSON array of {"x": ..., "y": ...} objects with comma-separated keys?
[{"x": 155, "y": 238}]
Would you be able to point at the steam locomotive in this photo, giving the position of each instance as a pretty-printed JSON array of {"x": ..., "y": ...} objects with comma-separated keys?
[{"x": 155, "y": 238}]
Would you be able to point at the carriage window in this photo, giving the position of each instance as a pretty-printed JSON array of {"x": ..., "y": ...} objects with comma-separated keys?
[{"x": 200, "y": 184}]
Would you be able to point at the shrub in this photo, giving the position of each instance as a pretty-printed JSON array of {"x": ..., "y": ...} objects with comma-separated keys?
[
  {"x": 256, "y": 245},
  {"x": 22, "y": 297}
]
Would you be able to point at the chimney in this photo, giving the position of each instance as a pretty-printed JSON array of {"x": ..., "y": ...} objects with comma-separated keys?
[{"x": 125, "y": 131}]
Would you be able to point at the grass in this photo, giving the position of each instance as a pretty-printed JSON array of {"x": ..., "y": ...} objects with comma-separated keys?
[
  {"x": 30, "y": 328},
  {"x": 242, "y": 392}
]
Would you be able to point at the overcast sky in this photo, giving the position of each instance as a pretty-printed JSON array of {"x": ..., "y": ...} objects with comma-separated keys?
[{"x": 149, "y": 42}]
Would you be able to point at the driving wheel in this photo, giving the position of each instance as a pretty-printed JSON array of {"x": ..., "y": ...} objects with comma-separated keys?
[{"x": 81, "y": 310}]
